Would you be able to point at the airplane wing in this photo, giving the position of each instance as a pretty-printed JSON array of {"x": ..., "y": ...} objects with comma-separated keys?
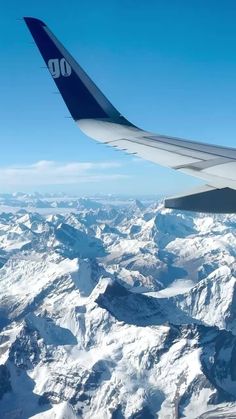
[{"x": 98, "y": 118}]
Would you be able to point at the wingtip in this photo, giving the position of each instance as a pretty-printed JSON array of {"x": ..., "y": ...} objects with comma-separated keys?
[{"x": 33, "y": 20}]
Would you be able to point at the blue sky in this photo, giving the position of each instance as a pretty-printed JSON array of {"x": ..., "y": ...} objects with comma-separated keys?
[{"x": 168, "y": 66}]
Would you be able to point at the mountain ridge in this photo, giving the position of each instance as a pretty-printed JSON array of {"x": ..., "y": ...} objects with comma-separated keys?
[{"x": 115, "y": 313}]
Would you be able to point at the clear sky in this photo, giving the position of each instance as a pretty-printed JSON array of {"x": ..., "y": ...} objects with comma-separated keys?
[{"x": 169, "y": 66}]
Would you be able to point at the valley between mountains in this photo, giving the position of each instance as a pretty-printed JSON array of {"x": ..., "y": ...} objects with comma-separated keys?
[{"x": 116, "y": 310}]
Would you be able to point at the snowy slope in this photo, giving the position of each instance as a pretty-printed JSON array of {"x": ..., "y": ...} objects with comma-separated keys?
[{"x": 90, "y": 326}]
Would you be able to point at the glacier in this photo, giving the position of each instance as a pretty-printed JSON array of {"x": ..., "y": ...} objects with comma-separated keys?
[{"x": 112, "y": 309}]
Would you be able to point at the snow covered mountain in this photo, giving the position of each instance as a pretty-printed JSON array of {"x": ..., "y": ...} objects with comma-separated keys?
[{"x": 116, "y": 311}]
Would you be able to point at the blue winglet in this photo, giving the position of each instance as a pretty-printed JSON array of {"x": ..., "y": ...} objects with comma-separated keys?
[{"x": 82, "y": 97}]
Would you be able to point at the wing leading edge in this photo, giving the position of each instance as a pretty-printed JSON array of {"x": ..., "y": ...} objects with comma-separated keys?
[{"x": 98, "y": 118}]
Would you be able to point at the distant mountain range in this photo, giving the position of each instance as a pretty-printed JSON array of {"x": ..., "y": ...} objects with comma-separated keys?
[{"x": 115, "y": 309}]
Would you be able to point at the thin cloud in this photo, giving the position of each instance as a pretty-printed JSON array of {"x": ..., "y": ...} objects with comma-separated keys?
[{"x": 47, "y": 172}]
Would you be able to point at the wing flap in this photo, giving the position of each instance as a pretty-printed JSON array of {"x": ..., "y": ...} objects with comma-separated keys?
[{"x": 205, "y": 199}]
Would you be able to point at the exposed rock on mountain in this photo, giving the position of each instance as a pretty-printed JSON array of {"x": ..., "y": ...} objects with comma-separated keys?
[{"x": 117, "y": 312}]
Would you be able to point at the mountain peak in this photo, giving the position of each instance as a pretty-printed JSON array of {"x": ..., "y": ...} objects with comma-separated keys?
[{"x": 96, "y": 319}]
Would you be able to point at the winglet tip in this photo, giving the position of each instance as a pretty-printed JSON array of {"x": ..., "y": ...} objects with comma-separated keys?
[{"x": 31, "y": 20}]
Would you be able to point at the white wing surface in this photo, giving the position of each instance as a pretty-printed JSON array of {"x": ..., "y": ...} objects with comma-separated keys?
[{"x": 98, "y": 118}]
